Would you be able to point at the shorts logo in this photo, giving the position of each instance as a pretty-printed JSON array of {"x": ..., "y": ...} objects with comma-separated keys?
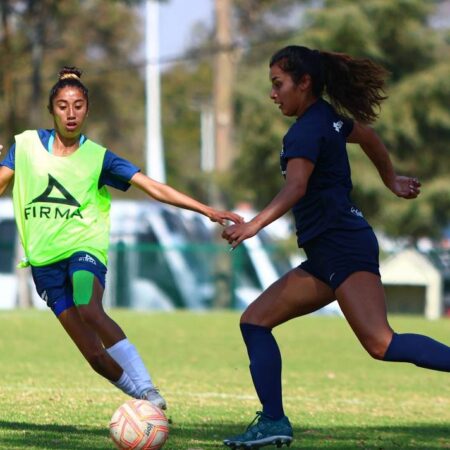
[
  {"x": 44, "y": 296},
  {"x": 332, "y": 275},
  {"x": 87, "y": 258},
  {"x": 61, "y": 196}
]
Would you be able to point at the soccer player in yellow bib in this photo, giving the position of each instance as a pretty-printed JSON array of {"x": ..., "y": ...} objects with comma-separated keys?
[{"x": 61, "y": 206}]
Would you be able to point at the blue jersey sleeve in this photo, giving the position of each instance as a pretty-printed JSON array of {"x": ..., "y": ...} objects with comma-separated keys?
[
  {"x": 9, "y": 160},
  {"x": 117, "y": 172},
  {"x": 347, "y": 128}
]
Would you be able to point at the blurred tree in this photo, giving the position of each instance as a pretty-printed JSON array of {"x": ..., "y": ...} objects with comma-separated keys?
[
  {"x": 187, "y": 87},
  {"x": 39, "y": 37}
]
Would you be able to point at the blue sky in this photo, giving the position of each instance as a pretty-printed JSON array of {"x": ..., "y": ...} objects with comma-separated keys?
[{"x": 176, "y": 19}]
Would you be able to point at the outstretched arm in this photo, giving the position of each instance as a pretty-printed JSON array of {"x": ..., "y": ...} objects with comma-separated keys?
[
  {"x": 373, "y": 147},
  {"x": 166, "y": 194},
  {"x": 297, "y": 175}
]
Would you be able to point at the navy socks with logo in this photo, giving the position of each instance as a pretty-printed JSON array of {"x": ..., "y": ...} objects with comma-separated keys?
[
  {"x": 419, "y": 350},
  {"x": 265, "y": 367}
]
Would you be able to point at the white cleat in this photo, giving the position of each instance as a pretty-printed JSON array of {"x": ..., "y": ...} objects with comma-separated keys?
[{"x": 154, "y": 397}]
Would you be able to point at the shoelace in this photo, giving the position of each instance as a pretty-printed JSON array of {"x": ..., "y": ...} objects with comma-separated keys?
[
  {"x": 259, "y": 414},
  {"x": 152, "y": 390}
]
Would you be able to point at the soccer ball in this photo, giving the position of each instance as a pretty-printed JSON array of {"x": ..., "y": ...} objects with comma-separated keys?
[{"x": 139, "y": 425}]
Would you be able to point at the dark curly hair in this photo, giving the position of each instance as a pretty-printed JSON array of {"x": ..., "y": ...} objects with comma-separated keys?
[{"x": 355, "y": 87}]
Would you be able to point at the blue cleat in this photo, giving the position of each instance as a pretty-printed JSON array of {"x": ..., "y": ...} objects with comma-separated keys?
[{"x": 264, "y": 432}]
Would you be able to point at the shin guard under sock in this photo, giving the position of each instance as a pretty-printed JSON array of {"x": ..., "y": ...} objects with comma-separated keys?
[
  {"x": 419, "y": 350},
  {"x": 265, "y": 367}
]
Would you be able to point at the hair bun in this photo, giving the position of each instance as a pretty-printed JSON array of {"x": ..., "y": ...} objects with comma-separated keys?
[{"x": 69, "y": 73}]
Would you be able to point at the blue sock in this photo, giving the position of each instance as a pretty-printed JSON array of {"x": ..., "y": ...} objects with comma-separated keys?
[
  {"x": 419, "y": 350},
  {"x": 265, "y": 367}
]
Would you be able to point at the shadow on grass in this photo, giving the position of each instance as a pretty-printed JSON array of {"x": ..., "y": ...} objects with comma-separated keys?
[
  {"x": 15, "y": 435},
  {"x": 19, "y": 435},
  {"x": 415, "y": 436}
]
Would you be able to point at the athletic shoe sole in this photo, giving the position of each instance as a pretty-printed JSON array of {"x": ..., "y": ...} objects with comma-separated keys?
[{"x": 279, "y": 441}]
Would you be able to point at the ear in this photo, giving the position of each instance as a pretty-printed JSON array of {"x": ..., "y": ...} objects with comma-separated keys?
[{"x": 305, "y": 82}]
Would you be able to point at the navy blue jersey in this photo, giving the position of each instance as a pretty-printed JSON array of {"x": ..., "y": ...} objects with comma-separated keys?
[
  {"x": 320, "y": 135},
  {"x": 116, "y": 171}
]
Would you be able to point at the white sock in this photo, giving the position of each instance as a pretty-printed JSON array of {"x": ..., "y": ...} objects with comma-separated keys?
[
  {"x": 126, "y": 355},
  {"x": 125, "y": 384}
]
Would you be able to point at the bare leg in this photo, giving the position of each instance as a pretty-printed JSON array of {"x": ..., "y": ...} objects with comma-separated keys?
[
  {"x": 94, "y": 315},
  {"x": 295, "y": 294},
  {"x": 89, "y": 344},
  {"x": 118, "y": 347},
  {"x": 362, "y": 300}
]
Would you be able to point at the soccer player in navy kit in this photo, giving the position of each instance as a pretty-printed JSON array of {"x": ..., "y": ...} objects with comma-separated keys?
[
  {"x": 67, "y": 241},
  {"x": 341, "y": 248}
]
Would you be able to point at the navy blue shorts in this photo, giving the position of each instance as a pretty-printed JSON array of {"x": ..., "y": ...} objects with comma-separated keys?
[
  {"x": 54, "y": 282},
  {"x": 336, "y": 254}
]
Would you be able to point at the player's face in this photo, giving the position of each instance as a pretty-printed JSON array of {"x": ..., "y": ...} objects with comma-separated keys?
[
  {"x": 289, "y": 96},
  {"x": 69, "y": 111}
]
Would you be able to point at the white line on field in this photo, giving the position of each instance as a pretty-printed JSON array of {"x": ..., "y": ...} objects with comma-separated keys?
[
  {"x": 180, "y": 394},
  {"x": 28, "y": 389},
  {"x": 212, "y": 395}
]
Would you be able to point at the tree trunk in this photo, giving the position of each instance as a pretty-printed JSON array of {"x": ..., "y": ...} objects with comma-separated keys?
[{"x": 223, "y": 87}]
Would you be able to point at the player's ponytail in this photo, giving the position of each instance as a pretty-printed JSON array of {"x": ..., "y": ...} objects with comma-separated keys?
[
  {"x": 354, "y": 86},
  {"x": 67, "y": 76}
]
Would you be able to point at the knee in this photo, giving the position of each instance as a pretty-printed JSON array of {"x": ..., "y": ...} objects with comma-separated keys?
[
  {"x": 244, "y": 317},
  {"x": 249, "y": 316},
  {"x": 377, "y": 346},
  {"x": 92, "y": 316}
]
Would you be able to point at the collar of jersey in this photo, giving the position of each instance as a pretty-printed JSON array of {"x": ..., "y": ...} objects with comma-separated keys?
[{"x": 51, "y": 139}]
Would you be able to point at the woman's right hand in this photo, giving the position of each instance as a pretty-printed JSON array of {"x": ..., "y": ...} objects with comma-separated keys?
[
  {"x": 238, "y": 232},
  {"x": 221, "y": 217},
  {"x": 405, "y": 187}
]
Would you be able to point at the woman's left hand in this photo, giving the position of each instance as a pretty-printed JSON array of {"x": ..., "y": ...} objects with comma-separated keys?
[
  {"x": 406, "y": 187},
  {"x": 235, "y": 234}
]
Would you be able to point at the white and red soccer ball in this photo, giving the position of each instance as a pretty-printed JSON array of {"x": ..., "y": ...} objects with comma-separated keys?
[{"x": 139, "y": 425}]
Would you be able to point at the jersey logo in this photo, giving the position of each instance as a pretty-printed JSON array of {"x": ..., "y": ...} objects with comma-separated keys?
[
  {"x": 356, "y": 212},
  {"x": 338, "y": 125},
  {"x": 55, "y": 192},
  {"x": 67, "y": 199}
]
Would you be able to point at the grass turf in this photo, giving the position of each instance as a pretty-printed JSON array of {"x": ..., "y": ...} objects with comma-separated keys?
[{"x": 335, "y": 395}]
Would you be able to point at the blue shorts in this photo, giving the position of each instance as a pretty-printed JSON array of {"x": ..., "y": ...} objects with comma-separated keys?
[
  {"x": 54, "y": 282},
  {"x": 336, "y": 254}
]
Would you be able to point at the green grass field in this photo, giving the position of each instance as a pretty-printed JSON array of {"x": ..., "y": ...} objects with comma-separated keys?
[{"x": 335, "y": 395}]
